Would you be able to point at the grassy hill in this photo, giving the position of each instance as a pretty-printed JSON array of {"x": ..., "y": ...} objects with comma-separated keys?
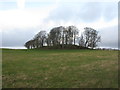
[{"x": 60, "y": 68}]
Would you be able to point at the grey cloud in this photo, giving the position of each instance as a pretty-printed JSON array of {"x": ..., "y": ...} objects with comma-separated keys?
[
  {"x": 87, "y": 12},
  {"x": 109, "y": 37},
  {"x": 16, "y": 37},
  {"x": 62, "y": 12},
  {"x": 90, "y": 12},
  {"x": 110, "y": 10}
]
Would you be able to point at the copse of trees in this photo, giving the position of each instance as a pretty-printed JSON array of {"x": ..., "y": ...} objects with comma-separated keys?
[{"x": 64, "y": 36}]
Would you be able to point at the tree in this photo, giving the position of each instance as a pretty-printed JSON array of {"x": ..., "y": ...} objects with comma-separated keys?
[
  {"x": 40, "y": 39},
  {"x": 56, "y": 35},
  {"x": 91, "y": 37},
  {"x": 94, "y": 39},
  {"x": 53, "y": 36},
  {"x": 87, "y": 35},
  {"x": 73, "y": 33},
  {"x": 29, "y": 44},
  {"x": 81, "y": 41},
  {"x": 65, "y": 35},
  {"x": 70, "y": 35},
  {"x": 48, "y": 40}
]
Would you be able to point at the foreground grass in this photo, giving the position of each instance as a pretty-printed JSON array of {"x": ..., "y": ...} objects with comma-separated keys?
[{"x": 60, "y": 69}]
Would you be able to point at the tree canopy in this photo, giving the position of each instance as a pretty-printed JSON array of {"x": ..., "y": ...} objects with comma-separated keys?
[{"x": 65, "y": 36}]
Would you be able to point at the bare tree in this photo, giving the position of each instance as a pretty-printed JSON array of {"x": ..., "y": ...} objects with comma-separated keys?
[
  {"x": 70, "y": 35},
  {"x": 27, "y": 45},
  {"x": 40, "y": 39},
  {"x": 73, "y": 33},
  {"x": 94, "y": 39},
  {"x": 81, "y": 41},
  {"x": 91, "y": 37},
  {"x": 87, "y": 35},
  {"x": 30, "y": 44},
  {"x": 48, "y": 40},
  {"x": 56, "y": 35}
]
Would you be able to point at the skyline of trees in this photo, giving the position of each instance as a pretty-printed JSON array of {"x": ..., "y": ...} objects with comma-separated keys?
[{"x": 65, "y": 36}]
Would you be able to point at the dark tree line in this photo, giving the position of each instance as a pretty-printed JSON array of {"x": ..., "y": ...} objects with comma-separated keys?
[{"x": 64, "y": 36}]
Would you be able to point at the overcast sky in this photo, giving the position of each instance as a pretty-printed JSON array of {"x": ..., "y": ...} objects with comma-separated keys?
[{"x": 20, "y": 20}]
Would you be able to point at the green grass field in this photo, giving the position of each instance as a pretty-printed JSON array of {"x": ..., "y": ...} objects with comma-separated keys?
[{"x": 59, "y": 69}]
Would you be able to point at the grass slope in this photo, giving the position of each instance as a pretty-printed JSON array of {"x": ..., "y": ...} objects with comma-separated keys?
[{"x": 60, "y": 69}]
